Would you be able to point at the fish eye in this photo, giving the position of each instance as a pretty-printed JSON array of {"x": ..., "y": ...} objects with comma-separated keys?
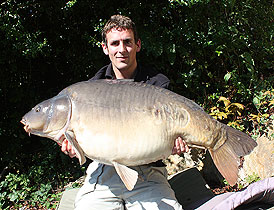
[{"x": 38, "y": 109}]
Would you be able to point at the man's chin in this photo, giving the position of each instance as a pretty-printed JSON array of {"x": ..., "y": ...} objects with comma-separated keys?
[{"x": 123, "y": 67}]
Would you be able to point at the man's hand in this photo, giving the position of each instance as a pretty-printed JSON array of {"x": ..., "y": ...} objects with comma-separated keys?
[
  {"x": 68, "y": 149},
  {"x": 180, "y": 146}
]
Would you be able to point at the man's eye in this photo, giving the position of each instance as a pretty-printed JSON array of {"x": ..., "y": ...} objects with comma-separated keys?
[
  {"x": 128, "y": 42},
  {"x": 115, "y": 43}
]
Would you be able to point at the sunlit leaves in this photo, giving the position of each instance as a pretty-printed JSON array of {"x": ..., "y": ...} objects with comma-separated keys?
[{"x": 228, "y": 111}]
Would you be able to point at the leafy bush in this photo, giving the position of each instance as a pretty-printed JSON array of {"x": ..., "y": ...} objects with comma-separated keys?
[
  {"x": 261, "y": 117},
  {"x": 230, "y": 113},
  {"x": 39, "y": 185},
  {"x": 17, "y": 191},
  {"x": 264, "y": 117}
]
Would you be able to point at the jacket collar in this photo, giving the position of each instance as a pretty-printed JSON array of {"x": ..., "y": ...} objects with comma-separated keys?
[{"x": 110, "y": 73}]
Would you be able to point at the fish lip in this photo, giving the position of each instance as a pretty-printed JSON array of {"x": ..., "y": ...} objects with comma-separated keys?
[
  {"x": 26, "y": 127},
  {"x": 23, "y": 121}
]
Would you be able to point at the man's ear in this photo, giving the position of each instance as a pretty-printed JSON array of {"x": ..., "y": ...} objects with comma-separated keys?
[
  {"x": 105, "y": 48},
  {"x": 138, "y": 45}
]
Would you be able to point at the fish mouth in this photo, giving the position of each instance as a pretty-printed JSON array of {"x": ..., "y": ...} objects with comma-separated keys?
[{"x": 26, "y": 126}]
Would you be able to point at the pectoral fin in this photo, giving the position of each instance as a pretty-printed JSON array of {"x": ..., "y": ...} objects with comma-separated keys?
[
  {"x": 127, "y": 175},
  {"x": 78, "y": 150}
]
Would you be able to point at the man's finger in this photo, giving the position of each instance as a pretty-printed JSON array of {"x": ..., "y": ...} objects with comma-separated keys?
[
  {"x": 70, "y": 150},
  {"x": 177, "y": 145},
  {"x": 184, "y": 146},
  {"x": 64, "y": 146}
]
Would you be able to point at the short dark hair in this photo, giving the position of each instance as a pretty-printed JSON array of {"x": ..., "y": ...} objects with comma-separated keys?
[{"x": 119, "y": 22}]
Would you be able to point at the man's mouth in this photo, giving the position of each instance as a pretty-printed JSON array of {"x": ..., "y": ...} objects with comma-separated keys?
[{"x": 122, "y": 58}]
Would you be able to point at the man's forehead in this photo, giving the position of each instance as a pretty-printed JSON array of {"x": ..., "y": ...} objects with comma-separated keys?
[
  {"x": 120, "y": 33},
  {"x": 120, "y": 29}
]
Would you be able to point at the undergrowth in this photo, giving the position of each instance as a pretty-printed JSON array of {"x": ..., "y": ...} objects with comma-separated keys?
[{"x": 41, "y": 185}]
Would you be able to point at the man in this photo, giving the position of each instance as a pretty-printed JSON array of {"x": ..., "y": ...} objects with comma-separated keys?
[{"x": 103, "y": 188}]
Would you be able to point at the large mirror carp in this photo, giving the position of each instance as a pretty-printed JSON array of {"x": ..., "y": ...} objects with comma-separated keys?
[{"x": 123, "y": 123}]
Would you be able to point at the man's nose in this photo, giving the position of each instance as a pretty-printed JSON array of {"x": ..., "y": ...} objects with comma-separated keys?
[{"x": 122, "y": 47}]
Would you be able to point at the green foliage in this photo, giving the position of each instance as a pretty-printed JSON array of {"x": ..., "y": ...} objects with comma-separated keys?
[
  {"x": 263, "y": 119},
  {"x": 40, "y": 185},
  {"x": 252, "y": 178},
  {"x": 17, "y": 190},
  {"x": 27, "y": 43},
  {"x": 249, "y": 180}
]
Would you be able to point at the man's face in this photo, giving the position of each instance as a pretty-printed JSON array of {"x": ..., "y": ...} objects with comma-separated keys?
[{"x": 121, "y": 49}]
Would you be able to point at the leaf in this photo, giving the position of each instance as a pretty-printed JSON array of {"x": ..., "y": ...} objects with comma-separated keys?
[
  {"x": 271, "y": 102},
  {"x": 233, "y": 124},
  {"x": 237, "y": 105},
  {"x": 214, "y": 116},
  {"x": 218, "y": 52},
  {"x": 225, "y": 100},
  {"x": 222, "y": 115},
  {"x": 256, "y": 117},
  {"x": 253, "y": 115},
  {"x": 239, "y": 113},
  {"x": 212, "y": 109},
  {"x": 256, "y": 101},
  {"x": 171, "y": 53},
  {"x": 265, "y": 115},
  {"x": 267, "y": 93},
  {"x": 227, "y": 76},
  {"x": 249, "y": 62},
  {"x": 13, "y": 196}
]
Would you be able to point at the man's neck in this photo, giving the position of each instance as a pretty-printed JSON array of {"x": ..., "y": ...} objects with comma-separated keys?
[{"x": 124, "y": 74}]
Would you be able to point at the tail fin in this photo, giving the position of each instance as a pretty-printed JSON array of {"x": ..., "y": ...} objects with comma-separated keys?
[{"x": 227, "y": 157}]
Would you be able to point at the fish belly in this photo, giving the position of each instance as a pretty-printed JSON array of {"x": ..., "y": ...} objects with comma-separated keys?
[{"x": 128, "y": 141}]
